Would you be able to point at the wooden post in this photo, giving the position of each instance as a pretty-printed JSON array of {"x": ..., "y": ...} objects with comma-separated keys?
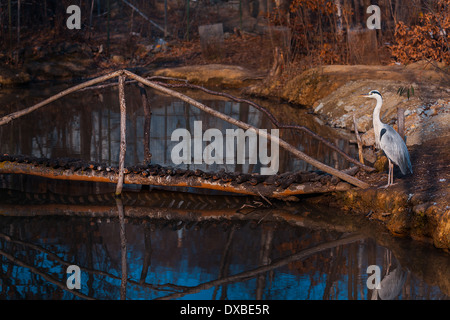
[
  {"x": 401, "y": 122},
  {"x": 187, "y": 17},
  {"x": 240, "y": 15},
  {"x": 358, "y": 141},
  {"x": 123, "y": 250},
  {"x": 147, "y": 122},
  {"x": 18, "y": 21},
  {"x": 90, "y": 19},
  {"x": 123, "y": 128},
  {"x": 165, "y": 19},
  {"x": 10, "y": 22},
  {"x": 107, "y": 26}
]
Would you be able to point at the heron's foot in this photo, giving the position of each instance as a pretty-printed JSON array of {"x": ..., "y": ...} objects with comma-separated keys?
[{"x": 388, "y": 185}]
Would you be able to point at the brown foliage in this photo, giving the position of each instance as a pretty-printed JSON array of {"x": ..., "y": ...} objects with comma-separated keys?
[{"x": 427, "y": 40}]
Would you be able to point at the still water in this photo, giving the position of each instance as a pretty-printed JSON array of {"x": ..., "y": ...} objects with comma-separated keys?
[{"x": 157, "y": 244}]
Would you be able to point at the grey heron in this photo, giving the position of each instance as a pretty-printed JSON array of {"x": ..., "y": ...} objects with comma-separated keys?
[{"x": 389, "y": 141}]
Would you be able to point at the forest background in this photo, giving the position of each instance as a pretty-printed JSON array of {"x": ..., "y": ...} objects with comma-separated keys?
[{"x": 310, "y": 32}]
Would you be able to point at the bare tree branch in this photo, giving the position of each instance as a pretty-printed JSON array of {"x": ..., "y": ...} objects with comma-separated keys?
[
  {"x": 246, "y": 275},
  {"x": 272, "y": 119},
  {"x": 246, "y": 126},
  {"x": 15, "y": 115}
]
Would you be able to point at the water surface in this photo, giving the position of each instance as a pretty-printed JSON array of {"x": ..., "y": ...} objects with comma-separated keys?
[{"x": 171, "y": 245}]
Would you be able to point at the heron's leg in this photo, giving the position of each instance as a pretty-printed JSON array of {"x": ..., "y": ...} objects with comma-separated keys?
[
  {"x": 389, "y": 174},
  {"x": 391, "y": 165},
  {"x": 392, "y": 173}
]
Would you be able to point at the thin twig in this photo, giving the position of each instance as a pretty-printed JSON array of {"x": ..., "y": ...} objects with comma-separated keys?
[
  {"x": 123, "y": 249},
  {"x": 17, "y": 114},
  {"x": 146, "y": 18},
  {"x": 115, "y": 84},
  {"x": 267, "y": 200}
]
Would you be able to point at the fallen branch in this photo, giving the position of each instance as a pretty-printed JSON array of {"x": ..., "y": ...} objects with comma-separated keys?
[
  {"x": 201, "y": 106},
  {"x": 267, "y": 190},
  {"x": 246, "y": 126},
  {"x": 272, "y": 119},
  {"x": 17, "y": 114}
]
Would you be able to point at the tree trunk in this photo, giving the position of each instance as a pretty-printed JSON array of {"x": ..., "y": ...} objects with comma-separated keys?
[
  {"x": 339, "y": 26},
  {"x": 245, "y": 8},
  {"x": 262, "y": 7}
]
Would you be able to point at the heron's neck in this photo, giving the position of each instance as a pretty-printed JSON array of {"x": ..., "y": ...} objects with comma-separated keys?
[{"x": 376, "y": 111}]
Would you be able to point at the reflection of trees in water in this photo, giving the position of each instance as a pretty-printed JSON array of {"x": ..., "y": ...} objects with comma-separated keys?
[
  {"x": 86, "y": 125},
  {"x": 171, "y": 259}
]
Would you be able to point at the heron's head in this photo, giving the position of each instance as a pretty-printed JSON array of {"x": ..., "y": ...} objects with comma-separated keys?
[{"x": 373, "y": 94}]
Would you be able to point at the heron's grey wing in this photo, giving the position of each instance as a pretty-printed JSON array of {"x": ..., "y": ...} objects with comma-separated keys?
[
  {"x": 392, "y": 284},
  {"x": 395, "y": 148}
]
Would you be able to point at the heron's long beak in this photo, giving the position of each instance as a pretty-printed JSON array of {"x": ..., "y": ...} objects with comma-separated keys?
[{"x": 364, "y": 95}]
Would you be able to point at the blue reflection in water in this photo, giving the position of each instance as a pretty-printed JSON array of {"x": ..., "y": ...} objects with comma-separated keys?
[{"x": 171, "y": 266}]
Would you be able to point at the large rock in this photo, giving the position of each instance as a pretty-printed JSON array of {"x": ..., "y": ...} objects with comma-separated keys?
[
  {"x": 212, "y": 74},
  {"x": 60, "y": 68},
  {"x": 60, "y": 61},
  {"x": 11, "y": 77}
]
